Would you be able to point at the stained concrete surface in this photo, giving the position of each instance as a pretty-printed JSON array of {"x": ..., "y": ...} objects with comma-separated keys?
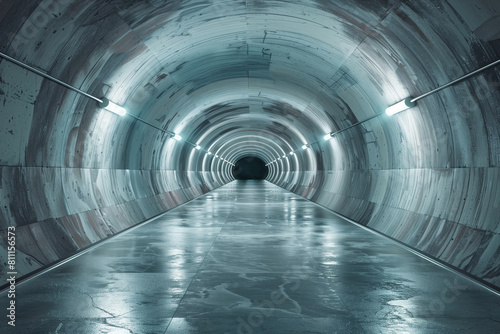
[
  {"x": 251, "y": 257},
  {"x": 251, "y": 78}
]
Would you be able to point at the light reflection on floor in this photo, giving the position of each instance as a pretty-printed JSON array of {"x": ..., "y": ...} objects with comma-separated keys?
[{"x": 252, "y": 258}]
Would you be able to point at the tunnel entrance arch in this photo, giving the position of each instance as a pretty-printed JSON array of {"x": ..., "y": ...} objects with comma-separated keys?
[{"x": 250, "y": 168}]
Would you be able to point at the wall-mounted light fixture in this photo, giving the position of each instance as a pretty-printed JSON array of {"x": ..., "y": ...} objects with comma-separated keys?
[
  {"x": 102, "y": 102},
  {"x": 113, "y": 107},
  {"x": 411, "y": 102},
  {"x": 198, "y": 147},
  {"x": 398, "y": 107},
  {"x": 401, "y": 106},
  {"x": 119, "y": 110}
]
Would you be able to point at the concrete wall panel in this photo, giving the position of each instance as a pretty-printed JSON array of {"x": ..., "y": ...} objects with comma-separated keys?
[{"x": 255, "y": 78}]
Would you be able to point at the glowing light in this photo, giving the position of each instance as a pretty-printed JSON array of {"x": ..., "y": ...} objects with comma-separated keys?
[
  {"x": 177, "y": 137},
  {"x": 113, "y": 107},
  {"x": 198, "y": 147},
  {"x": 328, "y": 136},
  {"x": 400, "y": 106}
]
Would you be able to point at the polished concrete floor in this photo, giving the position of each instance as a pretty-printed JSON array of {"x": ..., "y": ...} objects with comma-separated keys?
[{"x": 251, "y": 258}]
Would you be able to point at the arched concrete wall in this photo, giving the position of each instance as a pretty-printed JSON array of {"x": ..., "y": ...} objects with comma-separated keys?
[{"x": 257, "y": 78}]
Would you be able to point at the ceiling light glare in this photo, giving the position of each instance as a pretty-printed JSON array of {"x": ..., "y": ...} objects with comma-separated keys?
[
  {"x": 400, "y": 106},
  {"x": 291, "y": 153},
  {"x": 328, "y": 136},
  {"x": 113, "y": 107},
  {"x": 198, "y": 147},
  {"x": 177, "y": 137},
  {"x": 305, "y": 146}
]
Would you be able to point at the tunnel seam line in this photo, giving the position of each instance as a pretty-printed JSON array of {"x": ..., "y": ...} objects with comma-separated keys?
[
  {"x": 311, "y": 170},
  {"x": 101, "y": 208},
  {"x": 87, "y": 168},
  {"x": 327, "y": 86},
  {"x": 403, "y": 209},
  {"x": 408, "y": 248},
  {"x": 201, "y": 264},
  {"x": 315, "y": 263},
  {"x": 50, "y": 266}
]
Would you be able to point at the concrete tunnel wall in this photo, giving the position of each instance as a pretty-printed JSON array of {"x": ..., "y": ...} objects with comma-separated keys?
[{"x": 251, "y": 78}]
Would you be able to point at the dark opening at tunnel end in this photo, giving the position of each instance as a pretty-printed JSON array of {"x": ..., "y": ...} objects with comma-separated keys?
[{"x": 250, "y": 168}]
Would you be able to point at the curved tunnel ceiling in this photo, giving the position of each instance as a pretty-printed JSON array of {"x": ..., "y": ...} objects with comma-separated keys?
[
  {"x": 292, "y": 71},
  {"x": 263, "y": 78}
]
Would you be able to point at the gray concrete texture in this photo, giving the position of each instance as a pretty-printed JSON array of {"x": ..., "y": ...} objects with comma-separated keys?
[
  {"x": 217, "y": 265},
  {"x": 245, "y": 78}
]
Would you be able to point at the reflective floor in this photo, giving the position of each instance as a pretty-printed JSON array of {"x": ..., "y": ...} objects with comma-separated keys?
[{"x": 251, "y": 258}]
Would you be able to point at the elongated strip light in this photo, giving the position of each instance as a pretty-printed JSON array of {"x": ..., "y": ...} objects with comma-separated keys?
[
  {"x": 401, "y": 106},
  {"x": 113, "y": 107}
]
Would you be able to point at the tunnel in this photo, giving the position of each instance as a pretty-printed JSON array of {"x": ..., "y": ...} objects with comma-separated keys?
[
  {"x": 299, "y": 88},
  {"x": 250, "y": 168}
]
